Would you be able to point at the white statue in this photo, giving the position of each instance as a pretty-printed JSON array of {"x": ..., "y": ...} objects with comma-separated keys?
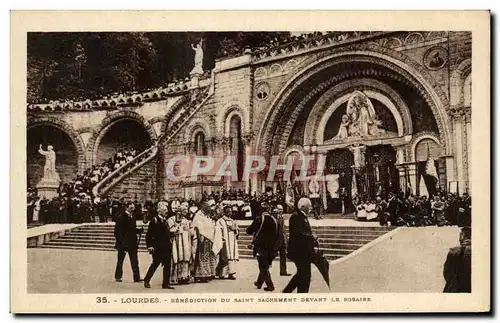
[
  {"x": 313, "y": 187},
  {"x": 198, "y": 58},
  {"x": 343, "y": 130},
  {"x": 358, "y": 152},
  {"x": 49, "y": 170},
  {"x": 362, "y": 117}
]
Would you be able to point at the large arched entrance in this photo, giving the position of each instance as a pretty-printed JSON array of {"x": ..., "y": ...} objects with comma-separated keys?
[
  {"x": 362, "y": 111},
  {"x": 123, "y": 133},
  {"x": 66, "y": 152}
]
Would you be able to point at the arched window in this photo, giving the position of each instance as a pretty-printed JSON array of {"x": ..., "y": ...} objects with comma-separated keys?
[
  {"x": 199, "y": 144},
  {"x": 237, "y": 148}
]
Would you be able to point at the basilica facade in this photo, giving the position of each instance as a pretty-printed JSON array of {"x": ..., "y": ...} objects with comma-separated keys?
[{"x": 377, "y": 106}]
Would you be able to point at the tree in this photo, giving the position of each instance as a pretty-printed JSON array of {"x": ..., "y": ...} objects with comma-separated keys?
[{"x": 95, "y": 64}]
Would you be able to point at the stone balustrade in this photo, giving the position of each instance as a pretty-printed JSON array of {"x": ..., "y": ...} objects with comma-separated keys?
[
  {"x": 198, "y": 99},
  {"x": 125, "y": 99}
]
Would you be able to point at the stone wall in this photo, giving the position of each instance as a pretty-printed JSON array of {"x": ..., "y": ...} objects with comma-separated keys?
[{"x": 140, "y": 184}]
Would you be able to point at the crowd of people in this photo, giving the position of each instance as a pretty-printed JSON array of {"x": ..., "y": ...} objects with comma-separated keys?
[
  {"x": 413, "y": 210},
  {"x": 86, "y": 102},
  {"x": 76, "y": 204},
  {"x": 195, "y": 244}
]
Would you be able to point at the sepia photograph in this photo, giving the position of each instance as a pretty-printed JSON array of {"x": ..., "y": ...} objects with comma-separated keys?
[{"x": 162, "y": 167}]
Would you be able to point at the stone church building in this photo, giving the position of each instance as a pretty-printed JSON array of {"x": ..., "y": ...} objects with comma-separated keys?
[{"x": 378, "y": 103}]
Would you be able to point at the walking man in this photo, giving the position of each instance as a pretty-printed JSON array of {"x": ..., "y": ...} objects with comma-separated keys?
[
  {"x": 158, "y": 242},
  {"x": 265, "y": 231},
  {"x": 301, "y": 247},
  {"x": 126, "y": 242}
]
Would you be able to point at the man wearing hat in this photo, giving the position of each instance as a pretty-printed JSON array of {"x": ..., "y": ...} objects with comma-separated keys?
[
  {"x": 265, "y": 232},
  {"x": 457, "y": 268},
  {"x": 159, "y": 245},
  {"x": 126, "y": 242}
]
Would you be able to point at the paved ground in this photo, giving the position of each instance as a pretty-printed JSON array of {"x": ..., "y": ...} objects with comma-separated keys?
[
  {"x": 83, "y": 271},
  {"x": 409, "y": 261}
]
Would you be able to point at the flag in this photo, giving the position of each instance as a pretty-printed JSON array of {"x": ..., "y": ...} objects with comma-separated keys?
[
  {"x": 354, "y": 188},
  {"x": 423, "y": 187},
  {"x": 430, "y": 168}
]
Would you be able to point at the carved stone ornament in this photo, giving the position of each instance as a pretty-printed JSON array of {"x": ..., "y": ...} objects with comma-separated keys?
[{"x": 435, "y": 58}]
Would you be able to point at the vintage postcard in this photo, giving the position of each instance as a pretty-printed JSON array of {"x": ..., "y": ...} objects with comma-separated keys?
[{"x": 250, "y": 162}]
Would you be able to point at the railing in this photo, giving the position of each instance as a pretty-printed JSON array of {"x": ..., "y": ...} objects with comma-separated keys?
[
  {"x": 116, "y": 176},
  {"x": 143, "y": 158}
]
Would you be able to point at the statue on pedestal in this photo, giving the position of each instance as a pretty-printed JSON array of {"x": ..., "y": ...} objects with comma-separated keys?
[
  {"x": 358, "y": 152},
  {"x": 49, "y": 170},
  {"x": 198, "y": 58},
  {"x": 49, "y": 184}
]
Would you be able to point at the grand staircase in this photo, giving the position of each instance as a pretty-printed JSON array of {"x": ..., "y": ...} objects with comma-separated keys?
[
  {"x": 336, "y": 242},
  {"x": 180, "y": 116}
]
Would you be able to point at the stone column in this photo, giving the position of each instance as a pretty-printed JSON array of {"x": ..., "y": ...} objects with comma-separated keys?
[
  {"x": 358, "y": 152},
  {"x": 400, "y": 166},
  {"x": 402, "y": 176},
  {"x": 469, "y": 149},
  {"x": 226, "y": 151},
  {"x": 322, "y": 184},
  {"x": 212, "y": 147},
  {"x": 412, "y": 175},
  {"x": 450, "y": 171},
  {"x": 247, "y": 143},
  {"x": 460, "y": 136}
]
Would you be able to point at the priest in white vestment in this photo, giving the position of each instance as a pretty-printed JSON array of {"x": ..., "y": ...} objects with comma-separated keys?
[
  {"x": 228, "y": 256},
  {"x": 182, "y": 255}
]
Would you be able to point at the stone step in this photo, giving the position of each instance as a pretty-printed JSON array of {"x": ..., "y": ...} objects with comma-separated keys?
[
  {"x": 110, "y": 229},
  {"x": 329, "y": 253},
  {"x": 336, "y": 251},
  {"x": 335, "y": 242},
  {"x": 333, "y": 238}
]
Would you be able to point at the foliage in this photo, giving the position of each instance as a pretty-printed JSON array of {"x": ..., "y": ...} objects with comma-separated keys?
[{"x": 93, "y": 64}]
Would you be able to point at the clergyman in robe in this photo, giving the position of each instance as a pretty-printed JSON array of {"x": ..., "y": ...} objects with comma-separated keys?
[
  {"x": 204, "y": 258},
  {"x": 228, "y": 256},
  {"x": 182, "y": 232}
]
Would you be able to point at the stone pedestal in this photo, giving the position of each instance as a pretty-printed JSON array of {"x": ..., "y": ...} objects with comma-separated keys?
[
  {"x": 47, "y": 188},
  {"x": 195, "y": 79}
]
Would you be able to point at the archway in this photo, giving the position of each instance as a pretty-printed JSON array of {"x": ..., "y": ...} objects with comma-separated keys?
[
  {"x": 67, "y": 156},
  {"x": 295, "y": 100},
  {"x": 123, "y": 133}
]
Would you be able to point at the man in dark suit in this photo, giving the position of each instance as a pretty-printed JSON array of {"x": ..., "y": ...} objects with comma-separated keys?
[
  {"x": 126, "y": 242},
  {"x": 301, "y": 247},
  {"x": 281, "y": 243},
  {"x": 457, "y": 268},
  {"x": 392, "y": 209},
  {"x": 265, "y": 231},
  {"x": 159, "y": 246}
]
